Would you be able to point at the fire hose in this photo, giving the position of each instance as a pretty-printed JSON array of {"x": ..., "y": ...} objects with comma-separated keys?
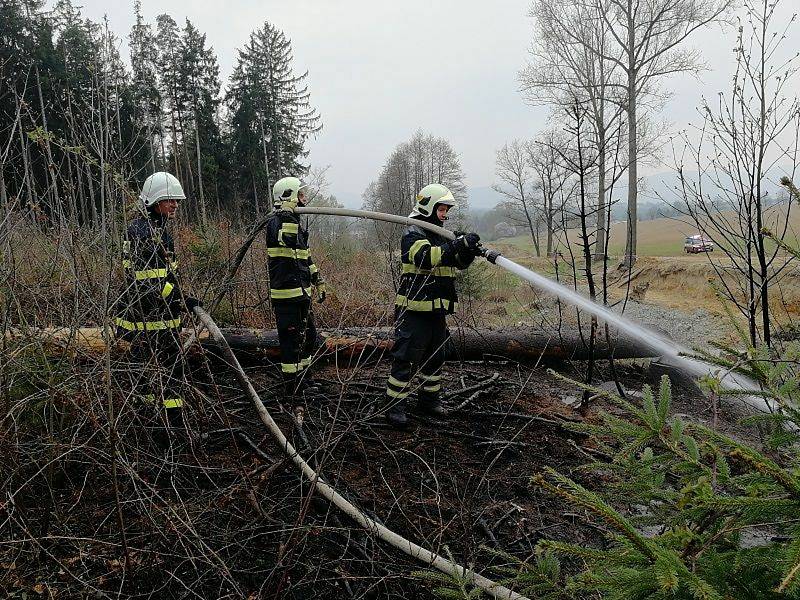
[
  {"x": 669, "y": 350},
  {"x": 329, "y": 493}
]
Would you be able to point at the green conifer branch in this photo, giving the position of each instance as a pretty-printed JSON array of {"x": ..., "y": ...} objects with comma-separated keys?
[
  {"x": 580, "y": 496},
  {"x": 757, "y": 460}
]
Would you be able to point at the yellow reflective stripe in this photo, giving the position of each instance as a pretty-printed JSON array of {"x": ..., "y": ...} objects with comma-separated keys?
[
  {"x": 126, "y": 247},
  {"x": 392, "y": 394},
  {"x": 436, "y": 255},
  {"x": 286, "y": 229},
  {"x": 291, "y": 367},
  {"x": 423, "y": 305},
  {"x": 299, "y": 254},
  {"x": 437, "y": 272},
  {"x": 313, "y": 268},
  {"x": 150, "y": 274},
  {"x": 289, "y": 293},
  {"x": 305, "y": 363},
  {"x": 168, "y": 402},
  {"x": 432, "y": 388},
  {"x": 147, "y": 325},
  {"x": 168, "y": 287},
  {"x": 416, "y": 247},
  {"x": 397, "y": 382},
  {"x": 416, "y": 305},
  {"x": 431, "y": 378}
]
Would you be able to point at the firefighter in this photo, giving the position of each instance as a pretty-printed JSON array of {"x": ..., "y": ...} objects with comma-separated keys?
[
  {"x": 148, "y": 312},
  {"x": 426, "y": 295},
  {"x": 292, "y": 275}
]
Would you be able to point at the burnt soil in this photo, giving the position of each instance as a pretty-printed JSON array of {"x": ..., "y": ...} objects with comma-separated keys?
[{"x": 211, "y": 517}]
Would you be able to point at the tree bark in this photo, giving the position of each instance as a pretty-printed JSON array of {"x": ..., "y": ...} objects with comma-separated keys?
[
  {"x": 360, "y": 343},
  {"x": 630, "y": 242}
]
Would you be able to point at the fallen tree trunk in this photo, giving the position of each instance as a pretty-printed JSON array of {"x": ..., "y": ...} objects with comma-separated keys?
[{"x": 524, "y": 344}]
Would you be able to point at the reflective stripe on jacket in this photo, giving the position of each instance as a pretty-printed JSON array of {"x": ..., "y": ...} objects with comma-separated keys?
[
  {"x": 292, "y": 271},
  {"x": 428, "y": 270},
  {"x": 150, "y": 300}
]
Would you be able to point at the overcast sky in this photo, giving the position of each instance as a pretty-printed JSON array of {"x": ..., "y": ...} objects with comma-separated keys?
[{"x": 379, "y": 70}]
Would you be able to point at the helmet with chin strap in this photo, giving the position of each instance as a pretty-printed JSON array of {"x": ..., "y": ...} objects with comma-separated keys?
[
  {"x": 161, "y": 186},
  {"x": 286, "y": 190},
  {"x": 430, "y": 196}
]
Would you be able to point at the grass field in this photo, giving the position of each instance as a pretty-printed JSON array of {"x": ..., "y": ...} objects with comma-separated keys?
[{"x": 659, "y": 237}]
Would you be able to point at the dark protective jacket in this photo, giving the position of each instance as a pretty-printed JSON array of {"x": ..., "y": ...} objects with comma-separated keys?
[
  {"x": 429, "y": 266},
  {"x": 151, "y": 299},
  {"x": 292, "y": 271}
]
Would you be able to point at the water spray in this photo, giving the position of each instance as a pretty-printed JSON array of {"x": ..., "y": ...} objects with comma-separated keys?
[{"x": 670, "y": 352}]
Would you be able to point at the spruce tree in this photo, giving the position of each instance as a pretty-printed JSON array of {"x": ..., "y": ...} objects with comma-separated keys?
[
  {"x": 146, "y": 96},
  {"x": 198, "y": 89},
  {"x": 168, "y": 65},
  {"x": 270, "y": 114}
]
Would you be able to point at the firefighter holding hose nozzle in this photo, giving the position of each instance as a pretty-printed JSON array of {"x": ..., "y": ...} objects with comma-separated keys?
[{"x": 427, "y": 294}]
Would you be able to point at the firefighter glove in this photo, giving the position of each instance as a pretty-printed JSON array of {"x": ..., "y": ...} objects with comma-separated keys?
[
  {"x": 321, "y": 290},
  {"x": 473, "y": 241}
]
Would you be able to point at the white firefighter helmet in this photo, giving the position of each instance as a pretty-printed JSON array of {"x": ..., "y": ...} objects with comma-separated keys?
[
  {"x": 161, "y": 186},
  {"x": 286, "y": 190},
  {"x": 429, "y": 196}
]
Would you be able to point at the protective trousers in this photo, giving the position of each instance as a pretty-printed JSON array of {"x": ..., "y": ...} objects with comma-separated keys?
[
  {"x": 297, "y": 336},
  {"x": 160, "y": 370},
  {"x": 419, "y": 347}
]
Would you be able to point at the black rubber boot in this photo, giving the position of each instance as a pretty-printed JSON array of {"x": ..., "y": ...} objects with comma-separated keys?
[
  {"x": 430, "y": 404},
  {"x": 396, "y": 415}
]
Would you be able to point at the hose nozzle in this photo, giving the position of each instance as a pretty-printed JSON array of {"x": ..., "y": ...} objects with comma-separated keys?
[{"x": 489, "y": 254}]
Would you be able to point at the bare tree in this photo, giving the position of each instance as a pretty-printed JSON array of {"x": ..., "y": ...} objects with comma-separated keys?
[
  {"x": 516, "y": 183},
  {"x": 551, "y": 179},
  {"x": 744, "y": 141},
  {"x": 564, "y": 68},
  {"x": 421, "y": 160},
  {"x": 644, "y": 42}
]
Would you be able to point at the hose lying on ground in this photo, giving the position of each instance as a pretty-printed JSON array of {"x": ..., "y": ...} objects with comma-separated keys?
[{"x": 326, "y": 491}]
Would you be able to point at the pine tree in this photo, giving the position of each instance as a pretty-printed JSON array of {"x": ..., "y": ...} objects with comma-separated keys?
[
  {"x": 168, "y": 65},
  {"x": 146, "y": 96},
  {"x": 271, "y": 114},
  {"x": 198, "y": 88}
]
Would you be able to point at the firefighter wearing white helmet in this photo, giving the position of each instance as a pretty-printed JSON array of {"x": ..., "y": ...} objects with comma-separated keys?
[
  {"x": 426, "y": 295},
  {"x": 148, "y": 311},
  {"x": 288, "y": 190},
  {"x": 161, "y": 186},
  {"x": 432, "y": 195},
  {"x": 292, "y": 278}
]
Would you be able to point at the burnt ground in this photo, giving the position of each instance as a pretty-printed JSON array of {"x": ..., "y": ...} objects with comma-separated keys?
[{"x": 224, "y": 515}]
